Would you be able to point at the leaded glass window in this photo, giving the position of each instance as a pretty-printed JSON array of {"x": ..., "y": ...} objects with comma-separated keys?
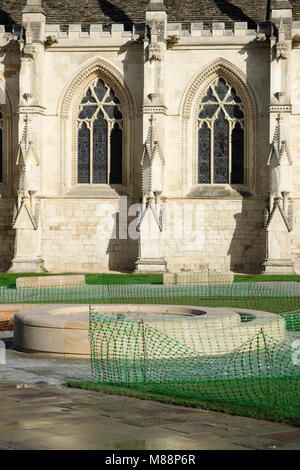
[
  {"x": 221, "y": 122},
  {"x": 100, "y": 136}
]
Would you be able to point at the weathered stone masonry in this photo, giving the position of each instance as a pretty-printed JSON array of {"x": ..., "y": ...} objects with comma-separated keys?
[{"x": 160, "y": 59}]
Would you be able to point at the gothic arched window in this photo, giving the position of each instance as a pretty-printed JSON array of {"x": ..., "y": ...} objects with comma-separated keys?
[
  {"x": 221, "y": 136},
  {"x": 100, "y": 136}
]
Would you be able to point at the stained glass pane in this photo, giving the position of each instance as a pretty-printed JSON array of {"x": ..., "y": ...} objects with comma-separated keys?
[
  {"x": 221, "y": 89},
  {"x": 233, "y": 97},
  {"x": 99, "y": 111},
  {"x": 204, "y": 154},
  {"x": 237, "y": 166},
  {"x": 100, "y": 90},
  {"x": 116, "y": 155},
  {"x": 113, "y": 112},
  {"x": 208, "y": 111},
  {"x": 87, "y": 112},
  {"x": 112, "y": 98},
  {"x": 88, "y": 98},
  {"x": 209, "y": 97},
  {"x": 100, "y": 149},
  {"x": 234, "y": 111},
  {"x": 83, "y": 154},
  {"x": 221, "y": 138}
]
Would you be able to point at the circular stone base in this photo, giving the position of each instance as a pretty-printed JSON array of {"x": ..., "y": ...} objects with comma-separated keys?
[{"x": 63, "y": 329}]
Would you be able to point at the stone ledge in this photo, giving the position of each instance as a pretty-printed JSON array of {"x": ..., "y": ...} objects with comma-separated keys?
[
  {"x": 199, "y": 277},
  {"x": 218, "y": 191},
  {"x": 50, "y": 281}
]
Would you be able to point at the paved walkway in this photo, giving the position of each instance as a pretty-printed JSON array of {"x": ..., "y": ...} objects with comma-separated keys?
[
  {"x": 54, "y": 417},
  {"x": 38, "y": 412}
]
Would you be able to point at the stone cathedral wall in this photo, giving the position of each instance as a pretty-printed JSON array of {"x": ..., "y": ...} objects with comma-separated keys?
[
  {"x": 78, "y": 230},
  {"x": 84, "y": 235}
]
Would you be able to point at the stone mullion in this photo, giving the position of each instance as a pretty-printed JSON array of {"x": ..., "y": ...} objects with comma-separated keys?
[
  {"x": 91, "y": 148},
  {"x": 230, "y": 128},
  {"x": 109, "y": 129},
  {"x": 212, "y": 153}
]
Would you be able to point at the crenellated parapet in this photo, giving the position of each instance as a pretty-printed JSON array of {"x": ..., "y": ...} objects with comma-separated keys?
[
  {"x": 198, "y": 32},
  {"x": 94, "y": 31},
  {"x": 195, "y": 32},
  {"x": 177, "y": 33}
]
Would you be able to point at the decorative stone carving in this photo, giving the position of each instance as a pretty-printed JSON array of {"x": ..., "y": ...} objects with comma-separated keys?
[
  {"x": 280, "y": 96},
  {"x": 279, "y": 147},
  {"x": 152, "y": 162},
  {"x": 281, "y": 45},
  {"x": 157, "y": 30},
  {"x": 28, "y": 96},
  {"x": 150, "y": 205},
  {"x": 29, "y": 49},
  {"x": 50, "y": 40},
  {"x": 171, "y": 41},
  {"x": 29, "y": 206},
  {"x": 27, "y": 148},
  {"x": 270, "y": 212},
  {"x": 26, "y": 158},
  {"x": 279, "y": 210},
  {"x": 157, "y": 33},
  {"x": 153, "y": 97},
  {"x": 95, "y": 67},
  {"x": 154, "y": 52},
  {"x": 151, "y": 225}
]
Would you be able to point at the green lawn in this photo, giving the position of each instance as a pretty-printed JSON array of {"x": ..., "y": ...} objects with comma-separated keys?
[
  {"x": 274, "y": 399},
  {"x": 266, "y": 278},
  {"x": 9, "y": 280}
]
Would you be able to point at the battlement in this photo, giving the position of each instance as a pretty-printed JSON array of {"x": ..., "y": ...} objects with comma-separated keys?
[
  {"x": 98, "y": 31},
  {"x": 126, "y": 31},
  {"x": 94, "y": 31}
]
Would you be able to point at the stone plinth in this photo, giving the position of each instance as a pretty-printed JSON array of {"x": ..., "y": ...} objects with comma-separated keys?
[
  {"x": 50, "y": 281},
  {"x": 278, "y": 267},
  {"x": 199, "y": 277},
  {"x": 145, "y": 266}
]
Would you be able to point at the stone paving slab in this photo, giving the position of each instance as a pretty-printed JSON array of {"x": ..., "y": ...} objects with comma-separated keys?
[
  {"x": 37, "y": 412},
  {"x": 55, "y": 417}
]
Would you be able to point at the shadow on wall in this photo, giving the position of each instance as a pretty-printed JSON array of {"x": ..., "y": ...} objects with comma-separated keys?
[
  {"x": 5, "y": 18},
  {"x": 11, "y": 66},
  {"x": 248, "y": 244},
  {"x": 7, "y": 235},
  {"x": 122, "y": 253}
]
